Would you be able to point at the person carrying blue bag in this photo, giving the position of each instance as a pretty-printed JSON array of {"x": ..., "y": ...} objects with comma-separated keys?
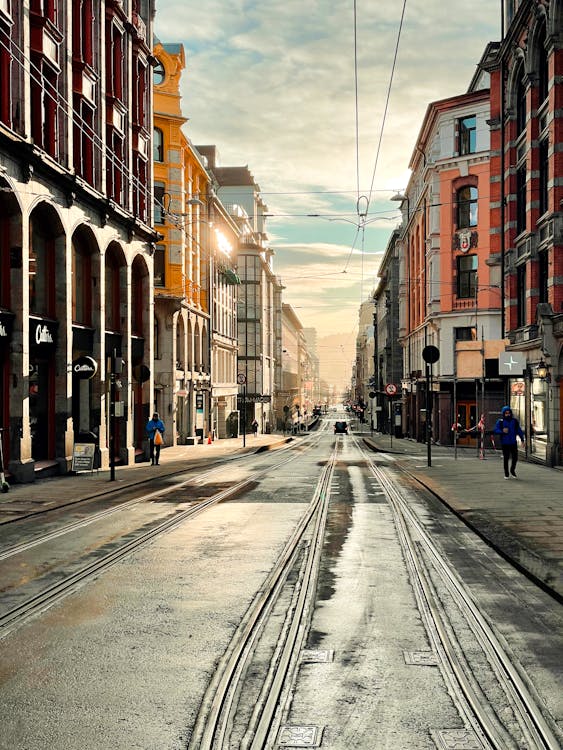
[
  {"x": 155, "y": 431},
  {"x": 508, "y": 427}
]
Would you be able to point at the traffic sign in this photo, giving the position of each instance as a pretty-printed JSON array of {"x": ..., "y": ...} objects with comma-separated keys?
[
  {"x": 241, "y": 378},
  {"x": 391, "y": 389}
]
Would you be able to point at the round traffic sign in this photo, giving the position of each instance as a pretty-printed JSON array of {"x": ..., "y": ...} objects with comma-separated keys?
[
  {"x": 241, "y": 378},
  {"x": 430, "y": 354},
  {"x": 391, "y": 389}
]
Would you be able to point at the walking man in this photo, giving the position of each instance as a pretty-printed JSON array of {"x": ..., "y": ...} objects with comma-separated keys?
[
  {"x": 154, "y": 426},
  {"x": 508, "y": 427}
]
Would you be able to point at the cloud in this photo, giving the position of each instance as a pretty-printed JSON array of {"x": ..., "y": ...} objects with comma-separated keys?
[{"x": 272, "y": 85}]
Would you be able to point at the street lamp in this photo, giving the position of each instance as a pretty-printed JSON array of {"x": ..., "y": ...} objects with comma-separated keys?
[{"x": 542, "y": 370}]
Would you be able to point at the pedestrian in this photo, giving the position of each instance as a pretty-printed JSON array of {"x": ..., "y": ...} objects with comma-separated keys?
[
  {"x": 155, "y": 431},
  {"x": 254, "y": 426},
  {"x": 508, "y": 427}
]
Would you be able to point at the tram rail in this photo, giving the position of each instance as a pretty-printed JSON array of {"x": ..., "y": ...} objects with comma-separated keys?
[
  {"x": 50, "y": 594},
  {"x": 216, "y": 716},
  {"x": 425, "y": 561}
]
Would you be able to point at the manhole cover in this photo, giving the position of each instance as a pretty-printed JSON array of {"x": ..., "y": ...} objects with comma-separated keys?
[
  {"x": 421, "y": 658},
  {"x": 456, "y": 739},
  {"x": 299, "y": 736},
  {"x": 317, "y": 656}
]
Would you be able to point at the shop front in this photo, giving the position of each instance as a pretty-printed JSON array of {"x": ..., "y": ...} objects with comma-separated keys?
[
  {"x": 6, "y": 325},
  {"x": 41, "y": 387}
]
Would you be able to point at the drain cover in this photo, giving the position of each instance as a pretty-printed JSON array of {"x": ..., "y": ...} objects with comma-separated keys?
[
  {"x": 299, "y": 736},
  {"x": 421, "y": 658},
  {"x": 316, "y": 656},
  {"x": 456, "y": 739}
]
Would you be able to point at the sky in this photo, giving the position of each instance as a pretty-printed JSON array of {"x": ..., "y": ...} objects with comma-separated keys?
[{"x": 307, "y": 95}]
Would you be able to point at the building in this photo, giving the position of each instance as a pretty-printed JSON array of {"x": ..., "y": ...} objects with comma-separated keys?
[
  {"x": 363, "y": 376},
  {"x": 387, "y": 364},
  {"x": 195, "y": 281},
  {"x": 526, "y": 213},
  {"x": 76, "y": 249},
  {"x": 288, "y": 402},
  {"x": 449, "y": 276},
  {"x": 258, "y": 293},
  {"x": 311, "y": 343}
]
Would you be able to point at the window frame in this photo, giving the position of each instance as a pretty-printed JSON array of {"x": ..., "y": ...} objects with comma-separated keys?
[
  {"x": 467, "y": 136},
  {"x": 466, "y": 218},
  {"x": 466, "y": 278}
]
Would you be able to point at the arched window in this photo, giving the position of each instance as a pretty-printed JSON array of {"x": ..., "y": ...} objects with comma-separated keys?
[
  {"x": 520, "y": 102},
  {"x": 543, "y": 69},
  {"x": 467, "y": 207},
  {"x": 158, "y": 145},
  {"x": 41, "y": 276}
]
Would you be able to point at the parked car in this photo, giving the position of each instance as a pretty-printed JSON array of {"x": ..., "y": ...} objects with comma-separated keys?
[{"x": 341, "y": 428}]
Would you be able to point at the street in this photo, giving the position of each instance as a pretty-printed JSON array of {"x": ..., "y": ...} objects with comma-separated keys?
[{"x": 312, "y": 595}]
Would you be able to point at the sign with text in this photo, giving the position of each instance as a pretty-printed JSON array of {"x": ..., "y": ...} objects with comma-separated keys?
[{"x": 83, "y": 457}]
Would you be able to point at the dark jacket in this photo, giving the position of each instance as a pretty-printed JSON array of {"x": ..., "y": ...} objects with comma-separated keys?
[
  {"x": 513, "y": 425},
  {"x": 153, "y": 425}
]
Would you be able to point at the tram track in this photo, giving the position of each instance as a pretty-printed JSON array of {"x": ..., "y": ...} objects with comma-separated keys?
[
  {"x": 221, "y": 701},
  {"x": 79, "y": 524},
  {"x": 37, "y": 603},
  {"x": 426, "y": 563}
]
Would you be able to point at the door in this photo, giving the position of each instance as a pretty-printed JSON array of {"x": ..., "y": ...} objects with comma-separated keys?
[{"x": 467, "y": 418}]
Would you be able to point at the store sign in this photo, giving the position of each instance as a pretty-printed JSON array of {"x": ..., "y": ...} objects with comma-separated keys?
[
  {"x": 43, "y": 333},
  {"x": 84, "y": 368},
  {"x": 6, "y": 322}
]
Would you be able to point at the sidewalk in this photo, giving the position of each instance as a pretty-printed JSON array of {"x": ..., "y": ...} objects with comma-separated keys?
[
  {"x": 522, "y": 518},
  {"x": 28, "y": 499}
]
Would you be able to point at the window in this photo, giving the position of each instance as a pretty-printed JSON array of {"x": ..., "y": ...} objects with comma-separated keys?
[
  {"x": 466, "y": 333},
  {"x": 521, "y": 199},
  {"x": 41, "y": 271},
  {"x": 467, "y": 128},
  {"x": 543, "y": 69},
  {"x": 81, "y": 285},
  {"x": 543, "y": 276},
  {"x": 158, "y": 74},
  {"x": 159, "y": 210},
  {"x": 115, "y": 66},
  {"x": 141, "y": 93},
  {"x": 6, "y": 60},
  {"x": 467, "y": 207},
  {"x": 543, "y": 178},
  {"x": 158, "y": 145},
  {"x": 466, "y": 276},
  {"x": 521, "y": 296},
  {"x": 521, "y": 102},
  {"x": 83, "y": 31},
  {"x": 84, "y": 136},
  {"x": 159, "y": 265}
]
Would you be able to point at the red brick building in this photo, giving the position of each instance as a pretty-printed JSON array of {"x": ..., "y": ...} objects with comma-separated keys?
[{"x": 526, "y": 210}]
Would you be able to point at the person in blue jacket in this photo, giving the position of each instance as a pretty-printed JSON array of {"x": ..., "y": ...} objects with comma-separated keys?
[
  {"x": 153, "y": 425},
  {"x": 508, "y": 427}
]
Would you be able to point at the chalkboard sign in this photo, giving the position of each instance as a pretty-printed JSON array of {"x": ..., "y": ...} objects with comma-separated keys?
[{"x": 83, "y": 457}]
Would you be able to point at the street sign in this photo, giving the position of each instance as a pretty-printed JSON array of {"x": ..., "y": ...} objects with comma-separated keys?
[
  {"x": 431, "y": 354},
  {"x": 391, "y": 389},
  {"x": 241, "y": 378},
  {"x": 511, "y": 363}
]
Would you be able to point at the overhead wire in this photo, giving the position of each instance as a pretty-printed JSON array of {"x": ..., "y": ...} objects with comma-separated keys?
[{"x": 388, "y": 97}]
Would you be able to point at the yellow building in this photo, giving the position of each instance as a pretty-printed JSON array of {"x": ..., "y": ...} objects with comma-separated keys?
[{"x": 195, "y": 299}]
